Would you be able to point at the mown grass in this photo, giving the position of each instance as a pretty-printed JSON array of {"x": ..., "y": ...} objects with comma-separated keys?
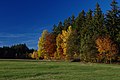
[{"x": 37, "y": 70}]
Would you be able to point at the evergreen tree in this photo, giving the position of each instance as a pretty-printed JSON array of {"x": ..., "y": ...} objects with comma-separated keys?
[
  {"x": 55, "y": 29},
  {"x": 73, "y": 19},
  {"x": 58, "y": 29},
  {"x": 98, "y": 20},
  {"x": 73, "y": 45},
  {"x": 80, "y": 20},
  {"x": 113, "y": 19},
  {"x": 67, "y": 23},
  {"x": 87, "y": 41},
  {"x": 80, "y": 25}
]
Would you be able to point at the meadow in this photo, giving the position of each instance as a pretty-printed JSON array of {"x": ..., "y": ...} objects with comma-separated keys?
[{"x": 51, "y": 70}]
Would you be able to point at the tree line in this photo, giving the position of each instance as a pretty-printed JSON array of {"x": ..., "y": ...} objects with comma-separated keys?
[
  {"x": 92, "y": 36},
  {"x": 19, "y": 51}
]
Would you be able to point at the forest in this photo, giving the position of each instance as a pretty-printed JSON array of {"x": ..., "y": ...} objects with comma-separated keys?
[
  {"x": 19, "y": 51},
  {"x": 92, "y": 36}
]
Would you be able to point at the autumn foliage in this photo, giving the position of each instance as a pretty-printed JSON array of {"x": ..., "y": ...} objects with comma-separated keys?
[
  {"x": 41, "y": 44},
  {"x": 107, "y": 48},
  {"x": 34, "y": 55},
  {"x": 59, "y": 50},
  {"x": 50, "y": 46},
  {"x": 90, "y": 37}
]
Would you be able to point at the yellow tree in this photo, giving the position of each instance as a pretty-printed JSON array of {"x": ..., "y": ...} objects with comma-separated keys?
[
  {"x": 59, "y": 50},
  {"x": 64, "y": 36},
  {"x": 34, "y": 55},
  {"x": 107, "y": 48},
  {"x": 41, "y": 43}
]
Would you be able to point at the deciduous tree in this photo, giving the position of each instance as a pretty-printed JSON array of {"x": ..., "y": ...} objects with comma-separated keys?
[
  {"x": 59, "y": 50},
  {"x": 50, "y": 46},
  {"x": 41, "y": 42},
  {"x": 107, "y": 48}
]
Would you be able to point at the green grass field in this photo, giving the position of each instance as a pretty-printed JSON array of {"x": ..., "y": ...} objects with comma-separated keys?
[{"x": 37, "y": 70}]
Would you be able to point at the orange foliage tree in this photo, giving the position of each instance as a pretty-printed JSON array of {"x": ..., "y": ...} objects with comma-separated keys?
[
  {"x": 50, "y": 46},
  {"x": 107, "y": 48}
]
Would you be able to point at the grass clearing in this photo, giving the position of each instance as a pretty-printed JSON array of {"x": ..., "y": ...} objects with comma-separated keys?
[{"x": 36, "y": 70}]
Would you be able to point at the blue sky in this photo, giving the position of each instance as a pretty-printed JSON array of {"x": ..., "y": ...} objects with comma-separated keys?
[{"x": 22, "y": 21}]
